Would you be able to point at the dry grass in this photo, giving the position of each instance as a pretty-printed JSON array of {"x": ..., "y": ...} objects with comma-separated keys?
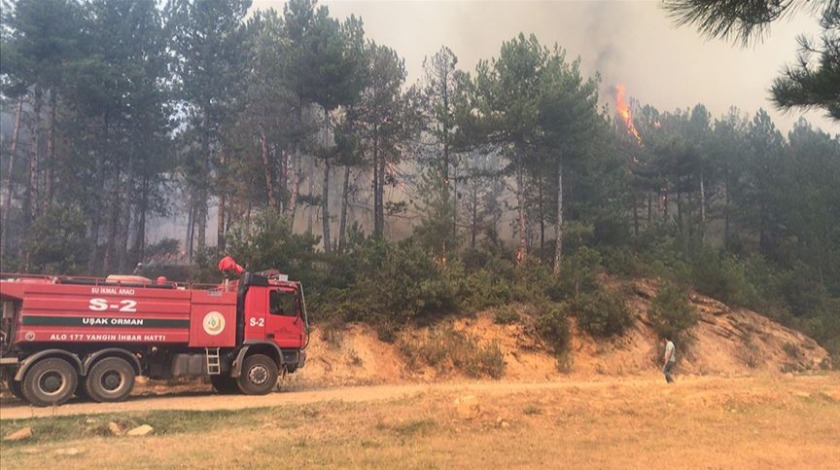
[{"x": 764, "y": 422}]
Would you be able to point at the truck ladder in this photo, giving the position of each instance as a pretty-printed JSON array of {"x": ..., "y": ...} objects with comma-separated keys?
[{"x": 214, "y": 364}]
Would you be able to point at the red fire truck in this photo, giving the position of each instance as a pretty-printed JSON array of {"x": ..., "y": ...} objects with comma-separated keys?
[{"x": 63, "y": 335}]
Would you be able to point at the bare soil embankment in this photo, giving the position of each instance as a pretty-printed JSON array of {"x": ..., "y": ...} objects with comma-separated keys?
[{"x": 725, "y": 342}]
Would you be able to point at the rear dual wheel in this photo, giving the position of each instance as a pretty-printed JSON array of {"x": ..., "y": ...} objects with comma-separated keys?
[
  {"x": 109, "y": 380},
  {"x": 49, "y": 382}
]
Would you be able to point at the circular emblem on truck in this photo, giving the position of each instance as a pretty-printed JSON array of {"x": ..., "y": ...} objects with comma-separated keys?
[
  {"x": 29, "y": 336},
  {"x": 214, "y": 323}
]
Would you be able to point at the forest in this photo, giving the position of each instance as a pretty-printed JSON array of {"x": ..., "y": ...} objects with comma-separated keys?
[{"x": 290, "y": 140}]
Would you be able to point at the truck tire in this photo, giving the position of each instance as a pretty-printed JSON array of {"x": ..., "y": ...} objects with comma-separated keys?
[
  {"x": 110, "y": 380},
  {"x": 14, "y": 386},
  {"x": 224, "y": 384},
  {"x": 49, "y": 382},
  {"x": 258, "y": 376}
]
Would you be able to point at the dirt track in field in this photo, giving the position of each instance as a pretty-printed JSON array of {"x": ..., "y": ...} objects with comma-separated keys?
[
  {"x": 204, "y": 400},
  {"x": 11, "y": 408}
]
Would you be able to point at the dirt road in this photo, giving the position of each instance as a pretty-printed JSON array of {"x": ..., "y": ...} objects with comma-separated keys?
[{"x": 11, "y": 408}]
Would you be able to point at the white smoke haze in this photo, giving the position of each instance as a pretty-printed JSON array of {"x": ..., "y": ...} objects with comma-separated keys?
[{"x": 630, "y": 42}]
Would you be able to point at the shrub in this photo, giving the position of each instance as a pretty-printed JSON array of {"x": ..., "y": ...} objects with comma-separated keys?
[
  {"x": 446, "y": 349},
  {"x": 506, "y": 315},
  {"x": 484, "y": 289},
  {"x": 535, "y": 282},
  {"x": 791, "y": 350},
  {"x": 553, "y": 327},
  {"x": 532, "y": 409},
  {"x": 671, "y": 313},
  {"x": 397, "y": 284},
  {"x": 620, "y": 261},
  {"x": 722, "y": 277},
  {"x": 603, "y": 313},
  {"x": 579, "y": 271}
]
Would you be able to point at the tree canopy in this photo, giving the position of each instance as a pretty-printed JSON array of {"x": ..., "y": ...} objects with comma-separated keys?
[
  {"x": 814, "y": 80},
  {"x": 133, "y": 129}
]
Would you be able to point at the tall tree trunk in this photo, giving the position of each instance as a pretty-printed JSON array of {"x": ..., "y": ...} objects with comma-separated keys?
[
  {"x": 558, "y": 224},
  {"x": 378, "y": 187},
  {"x": 269, "y": 181},
  {"x": 345, "y": 201},
  {"x": 122, "y": 238},
  {"x": 635, "y": 214},
  {"x": 326, "y": 207},
  {"x": 522, "y": 250},
  {"x": 113, "y": 221},
  {"x": 726, "y": 215},
  {"x": 191, "y": 228},
  {"x": 474, "y": 224},
  {"x": 125, "y": 218},
  {"x": 221, "y": 243},
  {"x": 283, "y": 180},
  {"x": 679, "y": 211},
  {"x": 454, "y": 201},
  {"x": 702, "y": 207},
  {"x": 50, "y": 160},
  {"x": 115, "y": 200},
  {"x": 310, "y": 175},
  {"x": 201, "y": 220},
  {"x": 295, "y": 174},
  {"x": 203, "y": 192},
  {"x": 30, "y": 209},
  {"x": 325, "y": 191},
  {"x": 542, "y": 215},
  {"x": 97, "y": 203},
  {"x": 10, "y": 189},
  {"x": 139, "y": 250}
]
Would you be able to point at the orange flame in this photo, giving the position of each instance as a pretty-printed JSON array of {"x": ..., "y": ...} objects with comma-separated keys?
[{"x": 624, "y": 112}]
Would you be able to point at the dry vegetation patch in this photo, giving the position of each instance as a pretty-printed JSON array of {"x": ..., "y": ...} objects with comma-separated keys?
[{"x": 774, "y": 422}]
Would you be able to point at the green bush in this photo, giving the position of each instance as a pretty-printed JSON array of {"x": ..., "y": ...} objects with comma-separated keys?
[
  {"x": 396, "y": 284},
  {"x": 603, "y": 313},
  {"x": 620, "y": 261},
  {"x": 722, "y": 277},
  {"x": 447, "y": 349},
  {"x": 484, "y": 289},
  {"x": 506, "y": 315},
  {"x": 578, "y": 274},
  {"x": 671, "y": 313},
  {"x": 553, "y": 327}
]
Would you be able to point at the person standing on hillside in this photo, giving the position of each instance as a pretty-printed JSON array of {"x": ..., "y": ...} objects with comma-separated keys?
[{"x": 670, "y": 359}]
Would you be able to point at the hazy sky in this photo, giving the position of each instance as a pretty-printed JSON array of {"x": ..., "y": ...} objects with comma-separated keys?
[{"x": 630, "y": 42}]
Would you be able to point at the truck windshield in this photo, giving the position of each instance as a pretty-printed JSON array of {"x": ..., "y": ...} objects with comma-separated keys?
[{"x": 282, "y": 302}]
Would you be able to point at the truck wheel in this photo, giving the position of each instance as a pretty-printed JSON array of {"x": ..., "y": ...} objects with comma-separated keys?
[
  {"x": 49, "y": 382},
  {"x": 14, "y": 386},
  {"x": 111, "y": 379},
  {"x": 224, "y": 384},
  {"x": 259, "y": 375}
]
